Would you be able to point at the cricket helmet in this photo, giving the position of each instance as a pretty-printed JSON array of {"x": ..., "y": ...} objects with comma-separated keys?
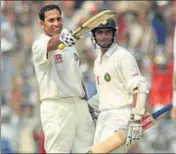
[{"x": 109, "y": 24}]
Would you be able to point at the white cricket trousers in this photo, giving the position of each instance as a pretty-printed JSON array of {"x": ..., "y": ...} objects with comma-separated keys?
[
  {"x": 109, "y": 122},
  {"x": 67, "y": 125}
]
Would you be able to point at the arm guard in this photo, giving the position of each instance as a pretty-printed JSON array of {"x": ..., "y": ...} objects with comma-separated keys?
[{"x": 142, "y": 92}]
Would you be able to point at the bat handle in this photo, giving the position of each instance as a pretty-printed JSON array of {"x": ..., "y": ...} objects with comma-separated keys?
[
  {"x": 161, "y": 111},
  {"x": 61, "y": 46}
]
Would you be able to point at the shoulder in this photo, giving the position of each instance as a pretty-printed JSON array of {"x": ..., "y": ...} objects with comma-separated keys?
[
  {"x": 122, "y": 52},
  {"x": 40, "y": 41},
  {"x": 98, "y": 57},
  {"x": 42, "y": 38},
  {"x": 122, "y": 55}
]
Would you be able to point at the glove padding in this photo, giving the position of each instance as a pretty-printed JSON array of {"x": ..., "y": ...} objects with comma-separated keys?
[
  {"x": 67, "y": 38},
  {"x": 134, "y": 131}
]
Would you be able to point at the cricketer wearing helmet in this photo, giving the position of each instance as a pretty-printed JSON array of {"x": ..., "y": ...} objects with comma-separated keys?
[{"x": 121, "y": 90}]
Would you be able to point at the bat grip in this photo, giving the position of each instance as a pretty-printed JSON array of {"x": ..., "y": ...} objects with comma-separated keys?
[
  {"x": 61, "y": 46},
  {"x": 161, "y": 111}
]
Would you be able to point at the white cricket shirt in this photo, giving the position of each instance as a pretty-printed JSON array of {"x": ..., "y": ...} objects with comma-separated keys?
[
  {"x": 58, "y": 75},
  {"x": 117, "y": 74}
]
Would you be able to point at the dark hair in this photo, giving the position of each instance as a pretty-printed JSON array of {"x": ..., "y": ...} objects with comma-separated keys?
[{"x": 47, "y": 8}]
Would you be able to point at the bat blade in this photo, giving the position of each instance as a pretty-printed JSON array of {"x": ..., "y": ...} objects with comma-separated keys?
[
  {"x": 148, "y": 120},
  {"x": 118, "y": 139},
  {"x": 91, "y": 23}
]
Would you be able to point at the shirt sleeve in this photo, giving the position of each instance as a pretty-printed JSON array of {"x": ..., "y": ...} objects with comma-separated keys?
[
  {"x": 130, "y": 72},
  {"x": 94, "y": 102},
  {"x": 39, "y": 50}
]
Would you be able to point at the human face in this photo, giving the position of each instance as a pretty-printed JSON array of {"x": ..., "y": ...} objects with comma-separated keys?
[
  {"x": 53, "y": 23},
  {"x": 104, "y": 37}
]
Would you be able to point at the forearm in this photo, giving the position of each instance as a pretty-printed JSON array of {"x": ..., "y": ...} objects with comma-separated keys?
[
  {"x": 134, "y": 97},
  {"x": 139, "y": 100},
  {"x": 91, "y": 109},
  {"x": 50, "y": 46},
  {"x": 53, "y": 44}
]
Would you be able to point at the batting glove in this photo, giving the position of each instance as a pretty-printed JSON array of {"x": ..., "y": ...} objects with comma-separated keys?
[
  {"x": 134, "y": 131},
  {"x": 67, "y": 38}
]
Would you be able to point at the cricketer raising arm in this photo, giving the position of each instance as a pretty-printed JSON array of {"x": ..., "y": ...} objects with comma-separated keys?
[
  {"x": 121, "y": 90},
  {"x": 67, "y": 124}
]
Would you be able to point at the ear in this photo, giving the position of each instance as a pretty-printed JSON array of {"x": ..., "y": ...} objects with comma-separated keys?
[{"x": 41, "y": 24}]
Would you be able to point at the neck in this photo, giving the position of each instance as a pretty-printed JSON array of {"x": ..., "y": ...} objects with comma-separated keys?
[{"x": 103, "y": 51}]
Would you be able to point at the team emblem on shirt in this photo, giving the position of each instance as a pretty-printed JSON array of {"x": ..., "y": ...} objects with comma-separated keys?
[
  {"x": 107, "y": 77},
  {"x": 76, "y": 56},
  {"x": 58, "y": 58}
]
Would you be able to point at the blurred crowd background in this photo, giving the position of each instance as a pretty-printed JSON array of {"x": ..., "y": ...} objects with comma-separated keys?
[{"x": 145, "y": 28}]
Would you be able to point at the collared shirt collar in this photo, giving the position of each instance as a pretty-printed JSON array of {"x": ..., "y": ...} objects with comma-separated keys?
[
  {"x": 110, "y": 50},
  {"x": 108, "y": 53},
  {"x": 44, "y": 34}
]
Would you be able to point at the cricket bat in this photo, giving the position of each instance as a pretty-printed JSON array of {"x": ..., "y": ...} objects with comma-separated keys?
[
  {"x": 148, "y": 119},
  {"x": 91, "y": 23},
  {"x": 119, "y": 138}
]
